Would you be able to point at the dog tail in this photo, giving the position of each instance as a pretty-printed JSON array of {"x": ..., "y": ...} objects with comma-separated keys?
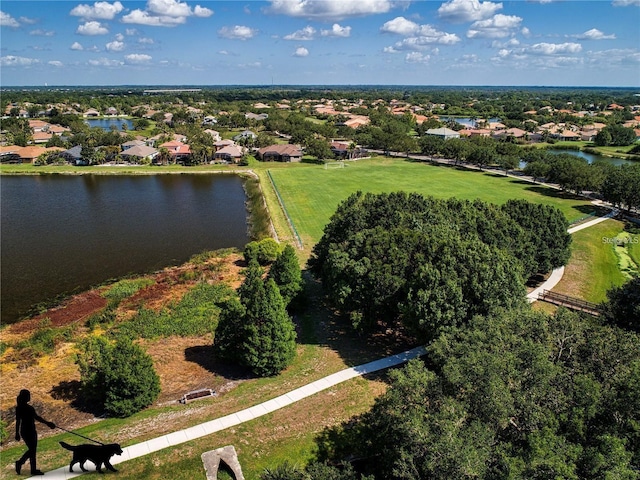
[{"x": 67, "y": 446}]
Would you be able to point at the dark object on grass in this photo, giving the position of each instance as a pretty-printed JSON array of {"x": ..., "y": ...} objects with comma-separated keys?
[{"x": 98, "y": 454}]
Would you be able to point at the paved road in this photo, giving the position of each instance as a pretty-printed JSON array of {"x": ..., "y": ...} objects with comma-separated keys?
[{"x": 207, "y": 428}]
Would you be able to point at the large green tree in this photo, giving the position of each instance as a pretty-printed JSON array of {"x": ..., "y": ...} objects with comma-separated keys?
[
  {"x": 518, "y": 394},
  {"x": 426, "y": 261},
  {"x": 285, "y": 271},
  {"x": 257, "y": 332}
]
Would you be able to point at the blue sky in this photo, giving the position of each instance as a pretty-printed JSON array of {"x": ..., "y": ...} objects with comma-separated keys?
[{"x": 315, "y": 42}]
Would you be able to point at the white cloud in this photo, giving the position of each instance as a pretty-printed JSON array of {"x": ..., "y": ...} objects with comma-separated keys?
[
  {"x": 55, "y": 63},
  {"x": 499, "y": 26},
  {"x": 526, "y": 33},
  {"x": 28, "y": 21},
  {"x": 92, "y": 28},
  {"x": 140, "y": 17},
  {"x": 13, "y": 61},
  {"x": 330, "y": 9},
  {"x": 130, "y": 32},
  {"x": 301, "y": 52},
  {"x": 7, "y": 20},
  {"x": 146, "y": 41},
  {"x": 165, "y": 13},
  {"x": 202, "y": 12},
  {"x": 626, "y": 3},
  {"x": 119, "y": 37},
  {"x": 461, "y": 11},
  {"x": 307, "y": 33},
  {"x": 115, "y": 46},
  {"x": 401, "y": 26},
  {"x": 99, "y": 11},
  {"x": 336, "y": 31},
  {"x": 419, "y": 37},
  {"x": 104, "y": 62},
  {"x": 250, "y": 65},
  {"x": 615, "y": 56},
  {"x": 223, "y": 52},
  {"x": 76, "y": 46},
  {"x": 42, "y": 33},
  {"x": 416, "y": 57},
  {"x": 594, "y": 34},
  {"x": 554, "y": 48},
  {"x": 137, "y": 58},
  {"x": 237, "y": 32}
]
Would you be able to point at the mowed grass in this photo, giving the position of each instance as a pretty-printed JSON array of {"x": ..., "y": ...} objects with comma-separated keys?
[
  {"x": 311, "y": 194},
  {"x": 593, "y": 267}
]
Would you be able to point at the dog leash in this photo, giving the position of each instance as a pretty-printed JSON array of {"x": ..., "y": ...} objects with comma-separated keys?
[{"x": 74, "y": 433}]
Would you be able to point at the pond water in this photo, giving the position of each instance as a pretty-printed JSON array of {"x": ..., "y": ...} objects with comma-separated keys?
[
  {"x": 65, "y": 233},
  {"x": 590, "y": 157},
  {"x": 108, "y": 123}
]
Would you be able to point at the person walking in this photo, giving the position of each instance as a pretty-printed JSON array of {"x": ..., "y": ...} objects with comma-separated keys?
[{"x": 26, "y": 417}]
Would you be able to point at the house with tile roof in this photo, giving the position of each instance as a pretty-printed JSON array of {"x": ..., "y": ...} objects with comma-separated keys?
[{"x": 280, "y": 153}]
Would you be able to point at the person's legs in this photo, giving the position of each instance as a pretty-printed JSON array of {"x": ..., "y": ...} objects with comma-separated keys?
[{"x": 32, "y": 445}]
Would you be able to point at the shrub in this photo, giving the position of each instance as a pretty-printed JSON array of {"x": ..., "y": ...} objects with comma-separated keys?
[
  {"x": 119, "y": 378},
  {"x": 264, "y": 252}
]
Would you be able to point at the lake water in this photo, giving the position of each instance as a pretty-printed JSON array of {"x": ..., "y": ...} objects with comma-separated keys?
[
  {"x": 590, "y": 157},
  {"x": 108, "y": 123},
  {"x": 65, "y": 233}
]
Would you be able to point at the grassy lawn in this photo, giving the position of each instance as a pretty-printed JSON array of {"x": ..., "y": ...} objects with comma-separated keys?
[
  {"x": 311, "y": 193},
  {"x": 593, "y": 268}
]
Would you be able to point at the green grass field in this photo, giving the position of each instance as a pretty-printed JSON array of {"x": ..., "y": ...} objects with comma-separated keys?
[
  {"x": 311, "y": 193},
  {"x": 593, "y": 267}
]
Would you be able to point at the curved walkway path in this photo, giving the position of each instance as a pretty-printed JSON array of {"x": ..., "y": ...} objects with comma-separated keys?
[{"x": 207, "y": 428}]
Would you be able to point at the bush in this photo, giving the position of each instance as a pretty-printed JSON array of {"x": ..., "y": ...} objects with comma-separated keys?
[
  {"x": 119, "y": 378},
  {"x": 264, "y": 252}
]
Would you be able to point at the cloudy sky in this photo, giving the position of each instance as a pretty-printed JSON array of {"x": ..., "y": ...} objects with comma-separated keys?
[{"x": 315, "y": 42}]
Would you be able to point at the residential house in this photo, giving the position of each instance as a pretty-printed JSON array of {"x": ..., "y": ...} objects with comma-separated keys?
[
  {"x": 92, "y": 112},
  {"x": 214, "y": 134},
  {"x": 443, "y": 132},
  {"x": 138, "y": 153},
  {"x": 245, "y": 135},
  {"x": 280, "y": 153},
  {"x": 74, "y": 155},
  {"x": 133, "y": 143},
  {"x": 228, "y": 153},
  {"x": 256, "y": 116},
  {"x": 178, "y": 150}
]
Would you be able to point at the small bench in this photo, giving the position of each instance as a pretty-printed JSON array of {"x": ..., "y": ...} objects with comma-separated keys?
[{"x": 197, "y": 394}]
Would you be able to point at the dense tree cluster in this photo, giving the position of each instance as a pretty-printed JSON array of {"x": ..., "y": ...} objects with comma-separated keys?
[
  {"x": 433, "y": 262},
  {"x": 622, "y": 307},
  {"x": 256, "y": 331},
  {"x": 118, "y": 377},
  {"x": 518, "y": 394}
]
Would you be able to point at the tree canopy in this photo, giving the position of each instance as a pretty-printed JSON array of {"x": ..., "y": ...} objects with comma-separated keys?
[
  {"x": 518, "y": 394},
  {"x": 433, "y": 262}
]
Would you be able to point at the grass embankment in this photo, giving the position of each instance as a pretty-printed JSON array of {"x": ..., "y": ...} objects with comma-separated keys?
[
  {"x": 594, "y": 266},
  {"x": 311, "y": 193}
]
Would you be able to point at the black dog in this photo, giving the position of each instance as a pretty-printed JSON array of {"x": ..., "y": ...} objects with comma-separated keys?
[{"x": 98, "y": 454}]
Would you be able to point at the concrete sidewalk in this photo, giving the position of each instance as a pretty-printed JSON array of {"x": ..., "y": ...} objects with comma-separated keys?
[{"x": 207, "y": 428}]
